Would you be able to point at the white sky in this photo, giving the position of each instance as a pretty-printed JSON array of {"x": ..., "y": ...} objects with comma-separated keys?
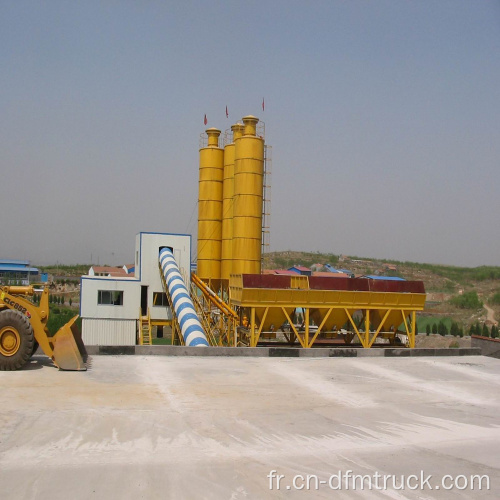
[{"x": 384, "y": 119}]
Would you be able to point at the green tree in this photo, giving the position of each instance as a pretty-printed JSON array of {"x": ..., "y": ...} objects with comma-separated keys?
[
  {"x": 442, "y": 329},
  {"x": 434, "y": 328},
  {"x": 485, "y": 332},
  {"x": 454, "y": 329},
  {"x": 428, "y": 329},
  {"x": 70, "y": 301}
]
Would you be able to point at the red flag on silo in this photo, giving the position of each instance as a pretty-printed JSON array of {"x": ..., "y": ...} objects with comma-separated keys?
[
  {"x": 205, "y": 121},
  {"x": 262, "y": 104},
  {"x": 227, "y": 114}
]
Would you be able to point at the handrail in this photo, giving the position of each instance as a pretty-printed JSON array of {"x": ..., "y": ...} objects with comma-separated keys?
[
  {"x": 213, "y": 297},
  {"x": 204, "y": 319}
]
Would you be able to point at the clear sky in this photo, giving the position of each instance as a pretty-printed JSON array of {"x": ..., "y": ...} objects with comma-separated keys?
[{"x": 383, "y": 117}]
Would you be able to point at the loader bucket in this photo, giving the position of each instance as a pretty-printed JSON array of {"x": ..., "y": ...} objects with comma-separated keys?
[{"x": 69, "y": 351}]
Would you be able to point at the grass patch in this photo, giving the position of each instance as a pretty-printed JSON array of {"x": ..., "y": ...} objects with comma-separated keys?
[
  {"x": 423, "y": 321},
  {"x": 163, "y": 341},
  {"x": 495, "y": 300}
]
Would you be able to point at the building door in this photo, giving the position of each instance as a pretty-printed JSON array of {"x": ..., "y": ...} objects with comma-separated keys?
[{"x": 144, "y": 300}]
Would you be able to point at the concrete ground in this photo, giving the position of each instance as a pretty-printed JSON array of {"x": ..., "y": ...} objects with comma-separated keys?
[{"x": 195, "y": 427}]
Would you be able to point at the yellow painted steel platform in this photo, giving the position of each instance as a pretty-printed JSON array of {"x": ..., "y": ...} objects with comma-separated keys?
[{"x": 328, "y": 308}]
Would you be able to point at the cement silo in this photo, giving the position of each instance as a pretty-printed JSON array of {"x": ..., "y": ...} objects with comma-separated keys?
[
  {"x": 228, "y": 204},
  {"x": 247, "y": 204},
  {"x": 210, "y": 210}
]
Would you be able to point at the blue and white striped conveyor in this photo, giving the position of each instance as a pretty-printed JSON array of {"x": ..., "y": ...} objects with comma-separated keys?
[{"x": 191, "y": 329}]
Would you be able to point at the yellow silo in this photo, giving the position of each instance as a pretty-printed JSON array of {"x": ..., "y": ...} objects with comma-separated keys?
[
  {"x": 247, "y": 204},
  {"x": 210, "y": 210},
  {"x": 227, "y": 205}
]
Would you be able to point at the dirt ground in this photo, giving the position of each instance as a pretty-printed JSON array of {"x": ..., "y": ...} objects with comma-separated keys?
[
  {"x": 436, "y": 341},
  {"x": 155, "y": 427}
]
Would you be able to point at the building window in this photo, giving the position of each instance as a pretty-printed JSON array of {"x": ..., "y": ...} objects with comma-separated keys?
[
  {"x": 110, "y": 297},
  {"x": 160, "y": 299}
]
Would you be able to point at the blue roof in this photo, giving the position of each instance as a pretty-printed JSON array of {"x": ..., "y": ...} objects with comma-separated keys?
[
  {"x": 331, "y": 269},
  {"x": 24, "y": 263},
  {"x": 17, "y": 268},
  {"x": 385, "y": 278},
  {"x": 345, "y": 271}
]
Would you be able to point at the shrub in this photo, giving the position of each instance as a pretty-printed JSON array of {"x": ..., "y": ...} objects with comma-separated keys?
[{"x": 468, "y": 300}]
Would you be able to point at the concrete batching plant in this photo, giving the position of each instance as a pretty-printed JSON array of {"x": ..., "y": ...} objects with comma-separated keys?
[{"x": 228, "y": 301}]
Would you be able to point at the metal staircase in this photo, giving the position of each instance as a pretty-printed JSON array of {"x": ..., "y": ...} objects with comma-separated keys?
[{"x": 145, "y": 329}]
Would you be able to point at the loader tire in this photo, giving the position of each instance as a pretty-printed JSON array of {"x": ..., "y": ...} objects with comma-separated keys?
[
  {"x": 35, "y": 347},
  {"x": 16, "y": 340}
]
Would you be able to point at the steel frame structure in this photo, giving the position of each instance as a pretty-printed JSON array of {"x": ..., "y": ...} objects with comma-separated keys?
[
  {"x": 368, "y": 314},
  {"x": 308, "y": 336}
]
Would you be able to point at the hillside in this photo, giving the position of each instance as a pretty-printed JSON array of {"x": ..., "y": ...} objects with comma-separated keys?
[{"x": 451, "y": 290}]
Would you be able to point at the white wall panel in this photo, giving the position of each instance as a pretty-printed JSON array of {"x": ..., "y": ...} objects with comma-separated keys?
[{"x": 108, "y": 331}]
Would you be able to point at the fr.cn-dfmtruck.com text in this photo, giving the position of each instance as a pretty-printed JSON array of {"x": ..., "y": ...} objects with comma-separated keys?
[{"x": 348, "y": 480}]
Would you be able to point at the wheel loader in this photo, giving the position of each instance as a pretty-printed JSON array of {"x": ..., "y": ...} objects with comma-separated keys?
[{"x": 23, "y": 327}]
